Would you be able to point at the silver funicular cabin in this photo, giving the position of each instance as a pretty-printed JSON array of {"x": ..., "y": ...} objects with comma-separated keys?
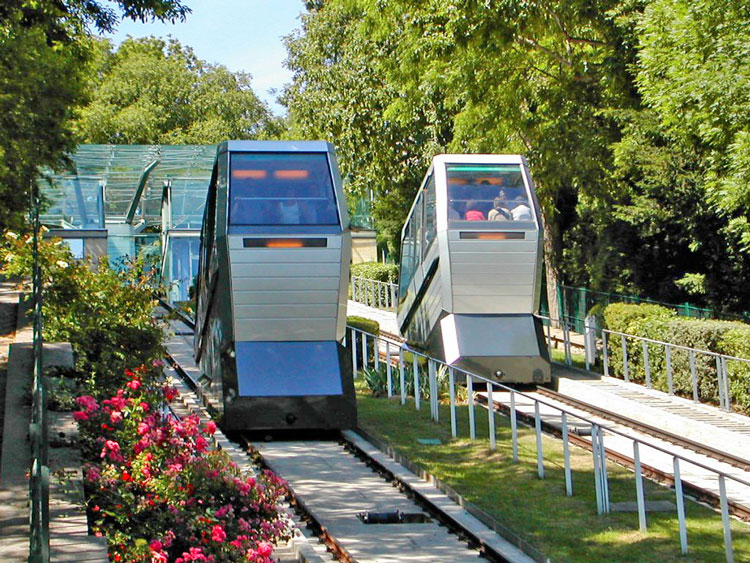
[
  {"x": 271, "y": 291},
  {"x": 471, "y": 267}
]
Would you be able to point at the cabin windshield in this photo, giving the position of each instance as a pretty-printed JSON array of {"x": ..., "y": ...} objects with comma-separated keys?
[
  {"x": 281, "y": 189},
  {"x": 487, "y": 192}
]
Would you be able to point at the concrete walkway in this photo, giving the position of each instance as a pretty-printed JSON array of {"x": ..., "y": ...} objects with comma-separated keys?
[{"x": 69, "y": 538}]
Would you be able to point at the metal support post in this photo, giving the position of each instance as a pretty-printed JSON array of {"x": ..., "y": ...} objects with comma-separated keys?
[
  {"x": 538, "y": 429},
  {"x": 639, "y": 494},
  {"x": 388, "y": 368},
  {"x": 680, "y": 507},
  {"x": 725, "y": 520},
  {"x": 514, "y": 425},
  {"x": 566, "y": 456},
  {"x": 470, "y": 392},
  {"x": 364, "y": 350},
  {"x": 415, "y": 369},
  {"x": 647, "y": 364},
  {"x": 605, "y": 353},
  {"x": 670, "y": 381},
  {"x": 354, "y": 353},
  {"x": 694, "y": 376},
  {"x": 452, "y": 386},
  {"x": 401, "y": 369},
  {"x": 491, "y": 417},
  {"x": 625, "y": 370}
]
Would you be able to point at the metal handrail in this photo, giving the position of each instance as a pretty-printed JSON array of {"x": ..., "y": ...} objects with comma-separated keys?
[
  {"x": 598, "y": 430},
  {"x": 39, "y": 474},
  {"x": 374, "y": 293},
  {"x": 604, "y": 338}
]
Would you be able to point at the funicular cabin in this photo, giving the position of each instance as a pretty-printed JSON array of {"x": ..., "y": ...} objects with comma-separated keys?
[
  {"x": 272, "y": 288},
  {"x": 471, "y": 266}
]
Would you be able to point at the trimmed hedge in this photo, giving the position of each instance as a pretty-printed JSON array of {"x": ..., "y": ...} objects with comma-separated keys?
[
  {"x": 660, "y": 323},
  {"x": 376, "y": 271}
]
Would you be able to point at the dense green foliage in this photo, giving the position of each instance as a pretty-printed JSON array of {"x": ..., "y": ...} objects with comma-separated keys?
[
  {"x": 107, "y": 315},
  {"x": 632, "y": 113},
  {"x": 376, "y": 271},
  {"x": 149, "y": 91},
  {"x": 45, "y": 47},
  {"x": 662, "y": 324}
]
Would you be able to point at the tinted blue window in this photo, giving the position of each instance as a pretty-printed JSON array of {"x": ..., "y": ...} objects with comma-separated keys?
[
  {"x": 283, "y": 369},
  {"x": 281, "y": 189}
]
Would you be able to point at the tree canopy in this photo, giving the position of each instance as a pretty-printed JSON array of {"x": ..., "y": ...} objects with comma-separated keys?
[
  {"x": 151, "y": 91},
  {"x": 632, "y": 114},
  {"x": 45, "y": 48}
]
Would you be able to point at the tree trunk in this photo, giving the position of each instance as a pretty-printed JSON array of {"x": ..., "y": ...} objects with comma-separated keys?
[{"x": 551, "y": 268}]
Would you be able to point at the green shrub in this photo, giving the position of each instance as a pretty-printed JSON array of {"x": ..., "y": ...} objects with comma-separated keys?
[
  {"x": 659, "y": 323},
  {"x": 376, "y": 271},
  {"x": 106, "y": 314},
  {"x": 361, "y": 323}
]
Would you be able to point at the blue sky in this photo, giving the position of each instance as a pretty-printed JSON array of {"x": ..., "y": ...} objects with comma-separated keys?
[{"x": 243, "y": 35}]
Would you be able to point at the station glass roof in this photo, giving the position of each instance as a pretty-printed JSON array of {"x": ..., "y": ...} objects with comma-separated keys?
[{"x": 105, "y": 178}]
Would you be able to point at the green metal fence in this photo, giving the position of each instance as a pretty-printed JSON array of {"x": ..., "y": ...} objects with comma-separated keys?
[
  {"x": 574, "y": 304},
  {"x": 39, "y": 475}
]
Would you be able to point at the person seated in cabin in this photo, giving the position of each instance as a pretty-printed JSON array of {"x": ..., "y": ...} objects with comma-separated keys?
[
  {"x": 474, "y": 212},
  {"x": 499, "y": 211},
  {"x": 521, "y": 210}
]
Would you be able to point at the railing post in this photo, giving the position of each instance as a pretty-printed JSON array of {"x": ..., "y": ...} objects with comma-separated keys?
[
  {"x": 639, "y": 494},
  {"x": 566, "y": 456},
  {"x": 376, "y": 351},
  {"x": 402, "y": 378},
  {"x": 626, "y": 371},
  {"x": 470, "y": 393},
  {"x": 388, "y": 368},
  {"x": 597, "y": 474},
  {"x": 364, "y": 350},
  {"x": 354, "y": 353},
  {"x": 452, "y": 386},
  {"x": 491, "y": 416},
  {"x": 566, "y": 343},
  {"x": 646, "y": 364},
  {"x": 728, "y": 549},
  {"x": 514, "y": 425},
  {"x": 727, "y": 391},
  {"x": 680, "y": 507},
  {"x": 605, "y": 353},
  {"x": 719, "y": 386},
  {"x": 694, "y": 376},
  {"x": 415, "y": 378},
  {"x": 538, "y": 430},
  {"x": 670, "y": 382}
]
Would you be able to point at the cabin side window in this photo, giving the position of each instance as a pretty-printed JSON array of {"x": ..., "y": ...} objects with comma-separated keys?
[
  {"x": 281, "y": 189},
  {"x": 430, "y": 225}
]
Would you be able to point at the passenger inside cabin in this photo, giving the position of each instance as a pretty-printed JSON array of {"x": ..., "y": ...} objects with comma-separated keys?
[
  {"x": 521, "y": 211},
  {"x": 500, "y": 211},
  {"x": 473, "y": 212}
]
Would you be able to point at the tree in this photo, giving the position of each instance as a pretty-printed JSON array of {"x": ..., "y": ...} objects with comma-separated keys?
[
  {"x": 499, "y": 76},
  {"x": 684, "y": 155},
  {"x": 152, "y": 91},
  {"x": 45, "y": 46}
]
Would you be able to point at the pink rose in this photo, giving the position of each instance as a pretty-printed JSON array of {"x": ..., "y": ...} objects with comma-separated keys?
[{"x": 80, "y": 416}]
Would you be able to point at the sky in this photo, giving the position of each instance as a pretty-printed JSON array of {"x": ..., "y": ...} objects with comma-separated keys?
[{"x": 243, "y": 35}]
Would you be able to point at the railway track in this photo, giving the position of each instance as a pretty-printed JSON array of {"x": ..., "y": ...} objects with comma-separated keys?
[
  {"x": 694, "y": 485},
  {"x": 354, "y": 483}
]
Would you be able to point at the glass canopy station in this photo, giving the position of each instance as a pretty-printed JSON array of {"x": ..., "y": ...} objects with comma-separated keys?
[
  {"x": 471, "y": 267},
  {"x": 118, "y": 200}
]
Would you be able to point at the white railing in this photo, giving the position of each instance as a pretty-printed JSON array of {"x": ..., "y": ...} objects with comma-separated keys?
[
  {"x": 397, "y": 381},
  {"x": 374, "y": 293},
  {"x": 706, "y": 367}
]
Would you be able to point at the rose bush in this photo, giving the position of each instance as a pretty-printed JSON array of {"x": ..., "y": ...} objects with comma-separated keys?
[{"x": 159, "y": 493}]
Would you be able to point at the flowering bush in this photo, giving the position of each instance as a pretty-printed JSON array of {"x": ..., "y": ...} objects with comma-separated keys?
[
  {"x": 160, "y": 494},
  {"x": 106, "y": 314}
]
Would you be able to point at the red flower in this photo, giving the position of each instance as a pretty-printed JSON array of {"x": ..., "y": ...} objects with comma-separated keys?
[
  {"x": 210, "y": 427},
  {"x": 80, "y": 416},
  {"x": 135, "y": 384},
  {"x": 170, "y": 393}
]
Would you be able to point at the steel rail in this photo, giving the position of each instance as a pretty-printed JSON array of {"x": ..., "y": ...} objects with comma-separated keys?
[
  {"x": 654, "y": 432},
  {"x": 662, "y": 477}
]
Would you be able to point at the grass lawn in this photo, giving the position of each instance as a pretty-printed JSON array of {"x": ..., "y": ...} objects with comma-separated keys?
[{"x": 563, "y": 528}]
